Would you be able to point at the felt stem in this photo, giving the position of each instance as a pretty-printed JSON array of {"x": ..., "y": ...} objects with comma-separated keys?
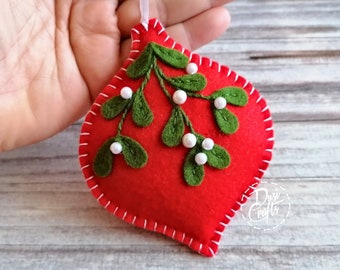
[
  {"x": 199, "y": 96},
  {"x": 121, "y": 122},
  {"x": 161, "y": 78},
  {"x": 128, "y": 107},
  {"x": 188, "y": 122}
]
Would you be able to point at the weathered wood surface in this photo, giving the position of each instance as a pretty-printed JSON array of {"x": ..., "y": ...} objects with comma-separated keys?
[{"x": 291, "y": 51}]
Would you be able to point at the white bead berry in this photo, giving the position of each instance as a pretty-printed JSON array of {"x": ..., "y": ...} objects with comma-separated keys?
[
  {"x": 208, "y": 144},
  {"x": 201, "y": 158},
  {"x": 116, "y": 148},
  {"x": 192, "y": 68},
  {"x": 189, "y": 140},
  {"x": 179, "y": 97},
  {"x": 126, "y": 92},
  {"x": 220, "y": 103}
]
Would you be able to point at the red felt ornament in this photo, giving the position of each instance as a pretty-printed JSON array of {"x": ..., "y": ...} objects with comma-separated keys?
[{"x": 174, "y": 141}]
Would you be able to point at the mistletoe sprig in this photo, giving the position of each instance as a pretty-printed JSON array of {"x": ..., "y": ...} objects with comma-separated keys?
[{"x": 202, "y": 150}]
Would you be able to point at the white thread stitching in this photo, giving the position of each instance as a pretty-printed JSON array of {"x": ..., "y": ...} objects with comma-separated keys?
[
  {"x": 94, "y": 187},
  {"x": 183, "y": 237},
  {"x": 211, "y": 251},
  {"x": 90, "y": 178},
  {"x": 200, "y": 249},
  {"x": 173, "y": 234},
  {"x": 265, "y": 109},
  {"x": 83, "y": 144},
  {"x": 259, "y": 99},
  {"x": 219, "y": 233},
  {"x": 100, "y": 196},
  {"x": 136, "y": 31},
  {"x": 161, "y": 31},
  {"x": 215, "y": 242},
  {"x": 134, "y": 220},
  {"x": 108, "y": 204}
]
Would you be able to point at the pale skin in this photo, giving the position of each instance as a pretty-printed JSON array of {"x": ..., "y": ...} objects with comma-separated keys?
[{"x": 56, "y": 56}]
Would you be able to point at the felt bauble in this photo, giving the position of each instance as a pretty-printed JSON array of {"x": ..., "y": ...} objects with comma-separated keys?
[{"x": 174, "y": 141}]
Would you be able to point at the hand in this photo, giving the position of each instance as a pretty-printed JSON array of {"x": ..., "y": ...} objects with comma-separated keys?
[{"x": 56, "y": 56}]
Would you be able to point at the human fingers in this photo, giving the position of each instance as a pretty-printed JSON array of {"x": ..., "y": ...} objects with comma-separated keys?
[
  {"x": 169, "y": 12},
  {"x": 195, "y": 32}
]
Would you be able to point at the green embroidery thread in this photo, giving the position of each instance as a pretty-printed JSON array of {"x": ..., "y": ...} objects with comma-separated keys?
[{"x": 134, "y": 154}]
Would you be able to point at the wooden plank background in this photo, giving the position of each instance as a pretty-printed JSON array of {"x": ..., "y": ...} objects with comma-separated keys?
[{"x": 290, "y": 50}]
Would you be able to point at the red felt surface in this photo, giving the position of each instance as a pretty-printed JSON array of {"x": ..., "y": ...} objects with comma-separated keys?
[{"x": 156, "y": 197}]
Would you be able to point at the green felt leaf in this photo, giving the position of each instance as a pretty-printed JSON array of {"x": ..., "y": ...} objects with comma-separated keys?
[
  {"x": 113, "y": 107},
  {"x": 191, "y": 82},
  {"x": 234, "y": 95},
  {"x": 174, "y": 129},
  {"x": 102, "y": 165},
  {"x": 218, "y": 157},
  {"x": 193, "y": 173},
  {"x": 226, "y": 120},
  {"x": 141, "y": 113},
  {"x": 142, "y": 64},
  {"x": 134, "y": 154},
  {"x": 170, "y": 56}
]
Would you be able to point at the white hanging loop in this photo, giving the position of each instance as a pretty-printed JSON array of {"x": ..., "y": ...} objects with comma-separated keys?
[{"x": 144, "y": 10}]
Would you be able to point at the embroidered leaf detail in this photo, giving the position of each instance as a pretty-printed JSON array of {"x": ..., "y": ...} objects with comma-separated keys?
[
  {"x": 141, "y": 65},
  {"x": 134, "y": 154},
  {"x": 218, "y": 157},
  {"x": 190, "y": 82},
  {"x": 193, "y": 173},
  {"x": 234, "y": 95},
  {"x": 114, "y": 107},
  {"x": 141, "y": 113},
  {"x": 102, "y": 165},
  {"x": 226, "y": 120},
  {"x": 170, "y": 56},
  {"x": 174, "y": 129}
]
